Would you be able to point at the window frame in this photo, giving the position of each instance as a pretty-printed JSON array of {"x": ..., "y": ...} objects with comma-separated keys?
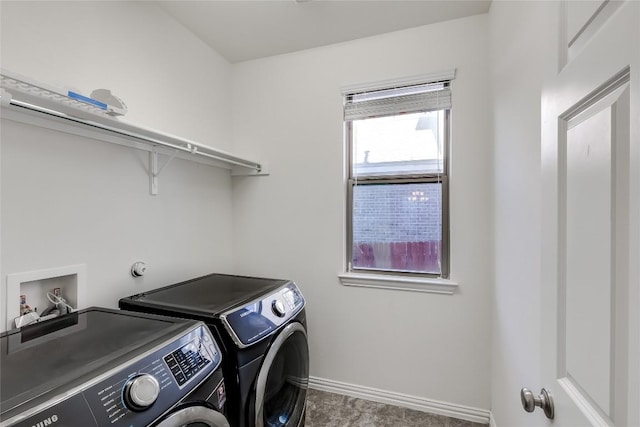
[{"x": 442, "y": 178}]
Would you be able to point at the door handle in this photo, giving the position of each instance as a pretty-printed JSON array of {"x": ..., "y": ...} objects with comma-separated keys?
[{"x": 544, "y": 401}]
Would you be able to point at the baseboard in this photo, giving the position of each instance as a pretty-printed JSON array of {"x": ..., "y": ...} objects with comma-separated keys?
[
  {"x": 453, "y": 410},
  {"x": 492, "y": 421}
]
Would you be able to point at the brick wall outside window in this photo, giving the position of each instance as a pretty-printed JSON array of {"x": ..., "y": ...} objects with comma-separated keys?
[{"x": 397, "y": 226}]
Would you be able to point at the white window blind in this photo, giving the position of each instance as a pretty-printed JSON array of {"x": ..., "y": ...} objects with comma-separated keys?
[{"x": 411, "y": 99}]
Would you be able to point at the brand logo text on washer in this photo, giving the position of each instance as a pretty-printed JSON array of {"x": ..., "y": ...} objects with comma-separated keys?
[{"x": 47, "y": 421}]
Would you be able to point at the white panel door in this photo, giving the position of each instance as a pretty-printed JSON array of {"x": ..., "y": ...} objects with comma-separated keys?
[{"x": 591, "y": 216}]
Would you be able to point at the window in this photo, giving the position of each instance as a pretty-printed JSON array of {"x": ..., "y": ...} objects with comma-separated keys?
[{"x": 398, "y": 143}]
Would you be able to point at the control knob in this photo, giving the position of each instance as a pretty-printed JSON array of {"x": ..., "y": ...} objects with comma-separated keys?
[
  {"x": 278, "y": 308},
  {"x": 140, "y": 392}
]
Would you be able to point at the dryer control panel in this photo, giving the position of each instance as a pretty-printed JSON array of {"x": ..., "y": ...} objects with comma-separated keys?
[{"x": 260, "y": 318}]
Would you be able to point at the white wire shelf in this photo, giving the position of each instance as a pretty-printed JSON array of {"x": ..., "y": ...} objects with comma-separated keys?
[{"x": 25, "y": 95}]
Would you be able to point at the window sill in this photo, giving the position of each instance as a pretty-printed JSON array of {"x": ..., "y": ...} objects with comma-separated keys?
[{"x": 415, "y": 284}]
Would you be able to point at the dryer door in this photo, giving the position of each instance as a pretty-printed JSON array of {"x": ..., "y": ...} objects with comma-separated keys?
[
  {"x": 193, "y": 415},
  {"x": 281, "y": 387}
]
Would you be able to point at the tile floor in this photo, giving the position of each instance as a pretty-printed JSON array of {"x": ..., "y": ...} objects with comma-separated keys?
[{"x": 335, "y": 410}]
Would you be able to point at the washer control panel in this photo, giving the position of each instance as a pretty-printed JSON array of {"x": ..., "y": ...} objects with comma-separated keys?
[
  {"x": 257, "y": 320},
  {"x": 187, "y": 361},
  {"x": 141, "y": 391}
]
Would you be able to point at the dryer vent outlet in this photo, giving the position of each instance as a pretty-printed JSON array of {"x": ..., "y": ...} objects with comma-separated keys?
[{"x": 138, "y": 269}]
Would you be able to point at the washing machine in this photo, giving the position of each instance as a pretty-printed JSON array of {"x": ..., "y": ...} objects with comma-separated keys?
[
  {"x": 261, "y": 326},
  {"x": 104, "y": 367}
]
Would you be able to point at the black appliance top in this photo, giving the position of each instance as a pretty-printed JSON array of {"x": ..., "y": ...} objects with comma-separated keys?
[
  {"x": 51, "y": 357},
  {"x": 207, "y": 296}
]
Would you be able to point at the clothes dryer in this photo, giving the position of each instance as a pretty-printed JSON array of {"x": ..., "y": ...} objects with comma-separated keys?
[{"x": 261, "y": 325}]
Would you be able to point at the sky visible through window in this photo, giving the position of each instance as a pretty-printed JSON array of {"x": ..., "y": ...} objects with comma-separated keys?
[{"x": 399, "y": 138}]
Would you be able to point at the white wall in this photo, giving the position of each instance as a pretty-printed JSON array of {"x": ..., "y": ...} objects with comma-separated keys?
[
  {"x": 288, "y": 111},
  {"x": 169, "y": 79},
  {"x": 70, "y": 200},
  {"x": 518, "y": 53}
]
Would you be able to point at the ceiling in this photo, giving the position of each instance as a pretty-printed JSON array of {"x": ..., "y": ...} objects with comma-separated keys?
[{"x": 241, "y": 30}]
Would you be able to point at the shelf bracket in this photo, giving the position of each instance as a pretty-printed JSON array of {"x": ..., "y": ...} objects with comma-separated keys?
[
  {"x": 5, "y": 97},
  {"x": 154, "y": 170}
]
